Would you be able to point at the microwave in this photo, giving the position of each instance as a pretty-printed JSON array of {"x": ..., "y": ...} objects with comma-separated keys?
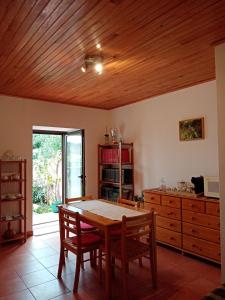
[{"x": 211, "y": 186}]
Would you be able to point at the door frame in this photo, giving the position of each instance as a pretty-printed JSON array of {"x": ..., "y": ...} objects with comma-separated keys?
[{"x": 63, "y": 135}]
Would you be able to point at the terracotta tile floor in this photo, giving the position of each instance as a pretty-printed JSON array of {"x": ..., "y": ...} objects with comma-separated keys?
[{"x": 29, "y": 271}]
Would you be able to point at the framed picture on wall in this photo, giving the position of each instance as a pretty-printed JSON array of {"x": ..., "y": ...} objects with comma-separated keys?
[{"x": 192, "y": 129}]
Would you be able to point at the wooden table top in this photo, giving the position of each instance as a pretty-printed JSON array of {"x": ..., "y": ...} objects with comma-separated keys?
[{"x": 92, "y": 215}]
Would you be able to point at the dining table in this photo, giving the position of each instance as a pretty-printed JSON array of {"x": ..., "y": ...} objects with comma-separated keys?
[{"x": 105, "y": 216}]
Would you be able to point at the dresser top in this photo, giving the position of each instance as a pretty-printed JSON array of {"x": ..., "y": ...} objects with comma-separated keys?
[{"x": 181, "y": 194}]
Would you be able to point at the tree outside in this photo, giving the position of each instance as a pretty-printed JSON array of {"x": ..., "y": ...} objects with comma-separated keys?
[{"x": 47, "y": 171}]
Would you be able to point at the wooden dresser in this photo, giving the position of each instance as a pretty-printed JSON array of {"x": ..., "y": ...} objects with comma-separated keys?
[{"x": 186, "y": 222}]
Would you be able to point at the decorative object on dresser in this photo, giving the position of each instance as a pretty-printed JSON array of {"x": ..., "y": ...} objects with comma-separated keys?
[
  {"x": 12, "y": 200},
  {"x": 115, "y": 171},
  {"x": 192, "y": 129},
  {"x": 211, "y": 186},
  {"x": 198, "y": 184},
  {"x": 186, "y": 222}
]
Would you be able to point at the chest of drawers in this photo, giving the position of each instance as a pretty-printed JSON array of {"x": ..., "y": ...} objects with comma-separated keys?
[{"x": 186, "y": 222}]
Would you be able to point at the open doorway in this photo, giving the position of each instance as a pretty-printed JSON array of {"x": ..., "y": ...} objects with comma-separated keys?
[{"x": 58, "y": 172}]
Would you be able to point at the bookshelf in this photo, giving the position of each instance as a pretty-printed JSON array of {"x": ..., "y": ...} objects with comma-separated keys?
[{"x": 115, "y": 171}]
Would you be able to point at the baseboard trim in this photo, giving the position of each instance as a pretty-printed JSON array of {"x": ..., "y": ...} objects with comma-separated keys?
[{"x": 29, "y": 233}]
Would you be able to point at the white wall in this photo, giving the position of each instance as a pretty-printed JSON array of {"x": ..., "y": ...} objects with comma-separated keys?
[
  {"x": 220, "y": 80},
  {"x": 17, "y": 116},
  {"x": 153, "y": 127}
]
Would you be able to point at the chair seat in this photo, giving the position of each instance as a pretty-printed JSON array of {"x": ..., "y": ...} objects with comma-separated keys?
[
  {"x": 86, "y": 227},
  {"x": 87, "y": 239},
  {"x": 134, "y": 248}
]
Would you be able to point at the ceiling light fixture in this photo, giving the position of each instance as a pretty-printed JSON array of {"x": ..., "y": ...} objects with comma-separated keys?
[
  {"x": 83, "y": 69},
  {"x": 94, "y": 62},
  {"x": 99, "y": 68}
]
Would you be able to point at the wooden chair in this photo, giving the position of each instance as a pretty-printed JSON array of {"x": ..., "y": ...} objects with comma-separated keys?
[
  {"x": 132, "y": 244},
  {"x": 84, "y": 226},
  {"x": 129, "y": 202},
  {"x": 77, "y": 242},
  {"x": 68, "y": 200},
  {"x": 117, "y": 233}
]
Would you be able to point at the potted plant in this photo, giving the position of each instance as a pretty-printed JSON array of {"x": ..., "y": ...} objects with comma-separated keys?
[{"x": 54, "y": 205}]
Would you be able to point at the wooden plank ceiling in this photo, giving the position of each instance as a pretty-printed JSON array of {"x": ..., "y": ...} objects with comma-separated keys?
[{"x": 149, "y": 48}]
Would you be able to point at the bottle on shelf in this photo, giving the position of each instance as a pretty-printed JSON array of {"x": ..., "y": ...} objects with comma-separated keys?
[{"x": 106, "y": 137}]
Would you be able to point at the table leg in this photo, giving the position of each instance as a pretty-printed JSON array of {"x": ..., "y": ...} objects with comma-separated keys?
[{"x": 107, "y": 265}]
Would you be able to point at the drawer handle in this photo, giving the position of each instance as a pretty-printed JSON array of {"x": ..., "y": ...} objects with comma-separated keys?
[
  {"x": 218, "y": 211},
  {"x": 193, "y": 231},
  {"x": 152, "y": 198},
  {"x": 194, "y": 246},
  {"x": 170, "y": 202},
  {"x": 171, "y": 225},
  {"x": 193, "y": 206},
  {"x": 193, "y": 218},
  {"x": 170, "y": 213},
  {"x": 172, "y": 238}
]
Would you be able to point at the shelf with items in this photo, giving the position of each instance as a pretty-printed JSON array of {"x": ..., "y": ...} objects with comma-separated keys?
[
  {"x": 12, "y": 200},
  {"x": 11, "y": 218},
  {"x": 112, "y": 154},
  {"x": 115, "y": 171},
  {"x": 12, "y": 180},
  {"x": 109, "y": 182},
  {"x": 17, "y": 237}
]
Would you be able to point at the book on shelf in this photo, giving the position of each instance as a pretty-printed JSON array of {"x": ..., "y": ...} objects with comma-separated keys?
[
  {"x": 113, "y": 175},
  {"x": 127, "y": 194},
  {"x": 111, "y": 156},
  {"x": 110, "y": 193},
  {"x": 125, "y": 156}
]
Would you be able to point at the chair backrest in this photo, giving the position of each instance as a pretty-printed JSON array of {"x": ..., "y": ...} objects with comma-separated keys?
[
  {"x": 69, "y": 200},
  {"x": 137, "y": 227},
  {"x": 69, "y": 222},
  {"x": 128, "y": 202}
]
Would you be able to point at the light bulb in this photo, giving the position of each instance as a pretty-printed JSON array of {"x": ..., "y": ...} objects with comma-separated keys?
[
  {"x": 98, "y": 46},
  {"x": 98, "y": 68},
  {"x": 83, "y": 69}
]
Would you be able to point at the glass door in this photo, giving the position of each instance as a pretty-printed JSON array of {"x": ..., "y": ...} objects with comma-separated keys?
[
  {"x": 47, "y": 180},
  {"x": 74, "y": 164}
]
